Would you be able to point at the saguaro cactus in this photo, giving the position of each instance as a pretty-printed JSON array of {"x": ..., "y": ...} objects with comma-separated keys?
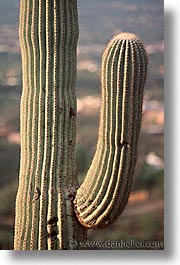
[{"x": 51, "y": 210}]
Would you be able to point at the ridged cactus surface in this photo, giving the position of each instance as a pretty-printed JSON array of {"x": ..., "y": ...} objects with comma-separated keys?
[
  {"x": 105, "y": 190},
  {"x": 45, "y": 217},
  {"x": 51, "y": 211}
]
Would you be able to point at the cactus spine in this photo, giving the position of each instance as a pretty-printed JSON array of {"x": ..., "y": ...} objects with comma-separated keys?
[{"x": 47, "y": 215}]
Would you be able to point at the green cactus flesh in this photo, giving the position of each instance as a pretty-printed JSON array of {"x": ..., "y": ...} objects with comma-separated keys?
[
  {"x": 50, "y": 211},
  {"x": 105, "y": 190},
  {"x": 45, "y": 217}
]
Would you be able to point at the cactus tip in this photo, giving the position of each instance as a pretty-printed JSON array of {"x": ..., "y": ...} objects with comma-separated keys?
[{"x": 126, "y": 36}]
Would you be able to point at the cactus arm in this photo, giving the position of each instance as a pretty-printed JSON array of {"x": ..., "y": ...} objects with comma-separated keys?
[{"x": 105, "y": 190}]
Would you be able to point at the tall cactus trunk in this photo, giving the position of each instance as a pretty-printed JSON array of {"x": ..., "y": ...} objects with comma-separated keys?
[
  {"x": 51, "y": 211},
  {"x": 45, "y": 217}
]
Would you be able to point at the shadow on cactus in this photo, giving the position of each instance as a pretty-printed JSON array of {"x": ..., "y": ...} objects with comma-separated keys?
[{"x": 51, "y": 209}]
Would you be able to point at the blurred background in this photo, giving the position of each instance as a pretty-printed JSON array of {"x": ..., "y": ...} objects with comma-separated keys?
[{"x": 143, "y": 217}]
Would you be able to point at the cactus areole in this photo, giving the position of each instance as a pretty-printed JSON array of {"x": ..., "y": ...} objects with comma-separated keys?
[{"x": 51, "y": 210}]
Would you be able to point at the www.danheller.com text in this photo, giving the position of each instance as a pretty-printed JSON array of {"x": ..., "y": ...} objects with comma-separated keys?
[{"x": 109, "y": 244}]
